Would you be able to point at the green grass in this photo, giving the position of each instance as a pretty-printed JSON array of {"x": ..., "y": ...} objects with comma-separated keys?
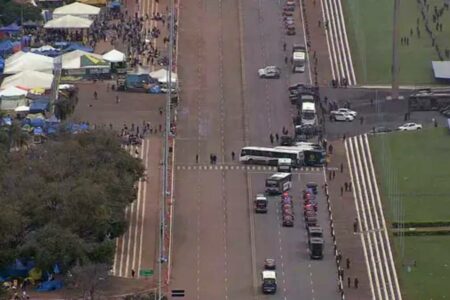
[
  {"x": 369, "y": 28},
  {"x": 431, "y": 276},
  {"x": 413, "y": 169}
]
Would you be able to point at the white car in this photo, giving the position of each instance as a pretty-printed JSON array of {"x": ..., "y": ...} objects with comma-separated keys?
[
  {"x": 345, "y": 111},
  {"x": 410, "y": 127},
  {"x": 339, "y": 116},
  {"x": 269, "y": 72}
]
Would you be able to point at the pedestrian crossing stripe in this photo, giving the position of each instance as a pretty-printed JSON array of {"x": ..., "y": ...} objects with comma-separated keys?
[{"x": 242, "y": 168}]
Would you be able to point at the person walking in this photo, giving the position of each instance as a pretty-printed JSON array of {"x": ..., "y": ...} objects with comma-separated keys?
[
  {"x": 277, "y": 137},
  {"x": 196, "y": 158},
  {"x": 346, "y": 186},
  {"x": 284, "y": 46},
  {"x": 271, "y": 138},
  {"x": 232, "y": 155},
  {"x": 349, "y": 282},
  {"x": 95, "y": 95},
  {"x": 356, "y": 282},
  {"x": 342, "y": 167},
  {"x": 347, "y": 262},
  {"x": 133, "y": 273},
  {"x": 342, "y": 191},
  {"x": 355, "y": 225},
  {"x": 350, "y": 186}
]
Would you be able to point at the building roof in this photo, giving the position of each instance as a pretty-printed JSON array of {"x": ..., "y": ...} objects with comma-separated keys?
[
  {"x": 69, "y": 21},
  {"x": 441, "y": 69},
  {"x": 77, "y": 8}
]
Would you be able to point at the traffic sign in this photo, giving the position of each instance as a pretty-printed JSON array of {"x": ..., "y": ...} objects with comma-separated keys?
[
  {"x": 146, "y": 272},
  {"x": 177, "y": 293}
]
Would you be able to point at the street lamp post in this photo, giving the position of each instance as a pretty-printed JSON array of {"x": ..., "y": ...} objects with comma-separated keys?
[{"x": 395, "y": 56}]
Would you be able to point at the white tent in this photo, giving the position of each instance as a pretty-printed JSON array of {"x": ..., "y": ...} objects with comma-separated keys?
[
  {"x": 76, "y": 9},
  {"x": 28, "y": 80},
  {"x": 12, "y": 91},
  {"x": 22, "y": 108},
  {"x": 72, "y": 60},
  {"x": 162, "y": 74},
  {"x": 114, "y": 56},
  {"x": 69, "y": 22},
  {"x": 28, "y": 61}
]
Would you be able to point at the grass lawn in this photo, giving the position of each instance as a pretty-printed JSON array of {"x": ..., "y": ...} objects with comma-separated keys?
[
  {"x": 413, "y": 169},
  {"x": 431, "y": 276},
  {"x": 369, "y": 28}
]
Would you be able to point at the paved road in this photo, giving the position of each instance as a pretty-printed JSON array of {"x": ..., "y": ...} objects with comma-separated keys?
[{"x": 219, "y": 244}]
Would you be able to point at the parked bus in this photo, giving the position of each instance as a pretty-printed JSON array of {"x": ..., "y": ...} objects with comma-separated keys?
[
  {"x": 313, "y": 154},
  {"x": 278, "y": 183},
  {"x": 429, "y": 99},
  {"x": 270, "y": 156}
]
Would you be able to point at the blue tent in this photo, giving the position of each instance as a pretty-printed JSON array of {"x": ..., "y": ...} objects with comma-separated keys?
[
  {"x": 2, "y": 64},
  {"x": 38, "y": 106},
  {"x": 75, "y": 46},
  {"x": 11, "y": 28},
  {"x": 6, "y": 47}
]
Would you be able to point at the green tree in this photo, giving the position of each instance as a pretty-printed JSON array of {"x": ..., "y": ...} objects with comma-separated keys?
[{"x": 12, "y": 11}]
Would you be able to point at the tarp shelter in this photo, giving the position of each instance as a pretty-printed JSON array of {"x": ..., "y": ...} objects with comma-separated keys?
[
  {"x": 22, "y": 108},
  {"x": 76, "y": 46},
  {"x": 114, "y": 56},
  {"x": 441, "y": 69},
  {"x": 69, "y": 22},
  {"x": 28, "y": 80},
  {"x": 114, "y": 5},
  {"x": 11, "y": 28},
  {"x": 12, "y": 92},
  {"x": 76, "y": 9},
  {"x": 162, "y": 74},
  {"x": 6, "y": 47},
  {"x": 28, "y": 61},
  {"x": 39, "y": 106},
  {"x": 94, "y": 2},
  {"x": 2, "y": 64}
]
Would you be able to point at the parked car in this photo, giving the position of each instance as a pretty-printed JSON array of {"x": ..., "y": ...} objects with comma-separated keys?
[
  {"x": 410, "y": 127},
  {"x": 269, "y": 264},
  {"x": 288, "y": 221},
  {"x": 290, "y": 31},
  {"x": 380, "y": 130},
  {"x": 339, "y": 116},
  {"x": 344, "y": 111},
  {"x": 269, "y": 72}
]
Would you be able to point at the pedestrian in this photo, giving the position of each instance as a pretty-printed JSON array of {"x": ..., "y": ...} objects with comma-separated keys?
[
  {"x": 349, "y": 281},
  {"x": 95, "y": 95},
  {"x": 347, "y": 261},
  {"x": 160, "y": 111},
  {"x": 346, "y": 186},
  {"x": 343, "y": 137},
  {"x": 342, "y": 167},
  {"x": 133, "y": 273},
  {"x": 277, "y": 137},
  {"x": 355, "y": 225},
  {"x": 196, "y": 158},
  {"x": 361, "y": 119},
  {"x": 160, "y": 127},
  {"x": 117, "y": 99},
  {"x": 342, "y": 191},
  {"x": 210, "y": 158},
  {"x": 406, "y": 117},
  {"x": 284, "y": 46},
  {"x": 330, "y": 149},
  {"x": 271, "y": 138},
  {"x": 136, "y": 152},
  {"x": 356, "y": 282},
  {"x": 371, "y": 101},
  {"x": 350, "y": 186},
  {"x": 232, "y": 155},
  {"x": 320, "y": 23},
  {"x": 334, "y": 174},
  {"x": 330, "y": 175}
]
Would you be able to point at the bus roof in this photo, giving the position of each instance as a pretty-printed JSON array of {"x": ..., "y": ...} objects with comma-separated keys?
[
  {"x": 279, "y": 175},
  {"x": 308, "y": 106},
  {"x": 276, "y": 149},
  {"x": 269, "y": 274}
]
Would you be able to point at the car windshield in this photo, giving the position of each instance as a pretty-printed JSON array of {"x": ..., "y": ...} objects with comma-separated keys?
[{"x": 308, "y": 115}]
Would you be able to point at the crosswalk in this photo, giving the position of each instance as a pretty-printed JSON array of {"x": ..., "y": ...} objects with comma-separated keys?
[{"x": 235, "y": 167}]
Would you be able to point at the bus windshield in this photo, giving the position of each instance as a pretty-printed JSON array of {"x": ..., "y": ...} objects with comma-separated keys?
[{"x": 271, "y": 183}]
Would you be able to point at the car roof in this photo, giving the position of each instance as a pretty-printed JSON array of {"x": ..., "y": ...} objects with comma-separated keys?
[{"x": 269, "y": 274}]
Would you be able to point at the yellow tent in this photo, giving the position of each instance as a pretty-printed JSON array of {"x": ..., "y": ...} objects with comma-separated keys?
[{"x": 93, "y": 2}]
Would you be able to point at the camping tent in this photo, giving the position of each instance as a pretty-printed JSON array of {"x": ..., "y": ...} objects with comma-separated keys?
[
  {"x": 11, "y": 28},
  {"x": 28, "y": 61},
  {"x": 114, "y": 56},
  {"x": 76, "y": 9},
  {"x": 28, "y": 80},
  {"x": 66, "y": 22},
  {"x": 162, "y": 74}
]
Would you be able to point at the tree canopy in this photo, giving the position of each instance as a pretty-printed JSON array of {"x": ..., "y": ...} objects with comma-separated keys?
[
  {"x": 63, "y": 201},
  {"x": 11, "y": 11}
]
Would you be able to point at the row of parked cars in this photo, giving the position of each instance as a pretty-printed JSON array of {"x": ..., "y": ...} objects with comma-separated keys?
[
  {"x": 288, "y": 17},
  {"x": 315, "y": 232}
]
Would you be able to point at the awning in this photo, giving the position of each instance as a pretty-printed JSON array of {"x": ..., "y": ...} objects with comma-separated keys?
[{"x": 67, "y": 22}]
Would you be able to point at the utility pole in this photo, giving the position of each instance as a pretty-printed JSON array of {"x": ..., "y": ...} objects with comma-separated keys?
[{"x": 395, "y": 56}]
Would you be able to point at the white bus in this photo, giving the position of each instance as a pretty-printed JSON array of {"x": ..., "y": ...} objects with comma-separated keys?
[
  {"x": 308, "y": 113},
  {"x": 270, "y": 156}
]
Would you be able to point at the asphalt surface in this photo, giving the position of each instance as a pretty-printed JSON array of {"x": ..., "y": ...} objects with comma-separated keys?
[{"x": 219, "y": 244}]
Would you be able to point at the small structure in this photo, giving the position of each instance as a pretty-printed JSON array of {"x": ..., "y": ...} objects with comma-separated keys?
[
  {"x": 69, "y": 22},
  {"x": 114, "y": 56},
  {"x": 12, "y": 98},
  {"x": 441, "y": 70},
  {"x": 77, "y": 9},
  {"x": 85, "y": 64},
  {"x": 28, "y": 80}
]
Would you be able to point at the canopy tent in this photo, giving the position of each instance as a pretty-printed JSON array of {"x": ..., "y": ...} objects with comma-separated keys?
[
  {"x": 66, "y": 22},
  {"x": 39, "y": 106},
  {"x": 9, "y": 104},
  {"x": 441, "y": 69},
  {"x": 28, "y": 61},
  {"x": 12, "y": 91},
  {"x": 114, "y": 4},
  {"x": 80, "y": 59},
  {"x": 162, "y": 75},
  {"x": 114, "y": 56},
  {"x": 28, "y": 80},
  {"x": 76, "y": 46},
  {"x": 76, "y": 9},
  {"x": 94, "y": 2},
  {"x": 11, "y": 28}
]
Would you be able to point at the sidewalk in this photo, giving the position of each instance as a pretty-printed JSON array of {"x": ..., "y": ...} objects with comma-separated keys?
[
  {"x": 343, "y": 214},
  {"x": 317, "y": 42}
]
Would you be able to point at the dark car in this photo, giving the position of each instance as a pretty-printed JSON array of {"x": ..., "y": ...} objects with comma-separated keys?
[
  {"x": 286, "y": 140},
  {"x": 446, "y": 113},
  {"x": 269, "y": 264},
  {"x": 288, "y": 221},
  {"x": 380, "y": 130}
]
